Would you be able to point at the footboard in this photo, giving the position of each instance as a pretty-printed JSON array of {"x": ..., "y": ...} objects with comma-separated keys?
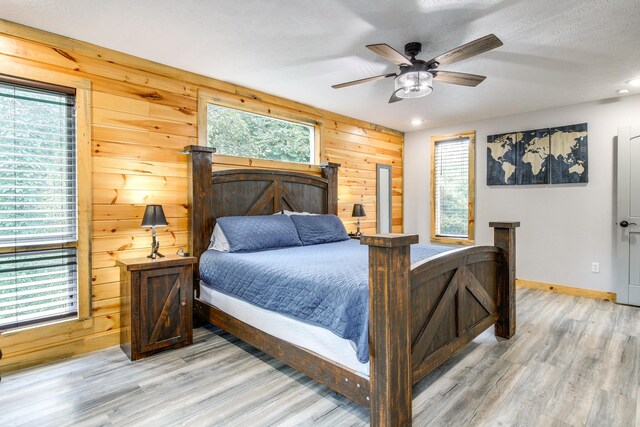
[
  {"x": 421, "y": 315},
  {"x": 454, "y": 297}
]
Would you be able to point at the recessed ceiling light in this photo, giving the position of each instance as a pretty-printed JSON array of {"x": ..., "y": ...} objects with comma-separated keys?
[
  {"x": 416, "y": 122},
  {"x": 635, "y": 82},
  {"x": 623, "y": 91}
]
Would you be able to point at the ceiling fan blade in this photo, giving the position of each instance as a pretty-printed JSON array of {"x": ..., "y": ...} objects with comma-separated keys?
[
  {"x": 389, "y": 53},
  {"x": 394, "y": 98},
  {"x": 476, "y": 47},
  {"x": 368, "y": 79},
  {"x": 456, "y": 78}
]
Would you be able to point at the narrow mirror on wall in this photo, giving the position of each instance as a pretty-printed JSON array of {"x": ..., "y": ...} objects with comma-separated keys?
[{"x": 383, "y": 198}]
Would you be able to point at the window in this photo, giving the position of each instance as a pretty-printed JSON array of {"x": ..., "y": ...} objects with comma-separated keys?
[
  {"x": 240, "y": 133},
  {"x": 39, "y": 231},
  {"x": 452, "y": 188}
]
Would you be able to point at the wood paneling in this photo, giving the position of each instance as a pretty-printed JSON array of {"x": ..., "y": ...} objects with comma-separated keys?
[{"x": 143, "y": 114}]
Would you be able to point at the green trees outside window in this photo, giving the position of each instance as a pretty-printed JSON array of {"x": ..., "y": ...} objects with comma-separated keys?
[{"x": 239, "y": 133}]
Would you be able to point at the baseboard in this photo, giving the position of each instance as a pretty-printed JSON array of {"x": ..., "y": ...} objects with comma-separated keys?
[{"x": 569, "y": 290}]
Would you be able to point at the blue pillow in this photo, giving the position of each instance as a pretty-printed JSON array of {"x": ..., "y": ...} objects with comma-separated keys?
[
  {"x": 257, "y": 233},
  {"x": 316, "y": 229}
]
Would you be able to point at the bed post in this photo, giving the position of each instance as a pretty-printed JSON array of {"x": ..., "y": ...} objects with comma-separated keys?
[
  {"x": 390, "y": 328},
  {"x": 504, "y": 237},
  {"x": 200, "y": 197},
  {"x": 330, "y": 173}
]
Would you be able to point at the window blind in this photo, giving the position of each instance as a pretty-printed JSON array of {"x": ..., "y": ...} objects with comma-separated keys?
[
  {"x": 38, "y": 203},
  {"x": 37, "y": 285},
  {"x": 452, "y": 188}
]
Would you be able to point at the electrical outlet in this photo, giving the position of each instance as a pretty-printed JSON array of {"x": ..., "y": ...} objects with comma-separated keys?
[{"x": 595, "y": 267}]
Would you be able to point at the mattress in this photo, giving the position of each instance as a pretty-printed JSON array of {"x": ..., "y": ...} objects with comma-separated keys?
[
  {"x": 314, "y": 338},
  {"x": 325, "y": 285}
]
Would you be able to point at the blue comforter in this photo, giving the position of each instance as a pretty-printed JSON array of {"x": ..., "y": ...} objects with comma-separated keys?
[{"x": 326, "y": 285}]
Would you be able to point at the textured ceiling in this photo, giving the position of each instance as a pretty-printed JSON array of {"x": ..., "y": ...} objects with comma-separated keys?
[{"x": 556, "y": 52}]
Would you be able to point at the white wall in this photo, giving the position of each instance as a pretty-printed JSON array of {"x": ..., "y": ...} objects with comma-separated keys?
[{"x": 564, "y": 228}]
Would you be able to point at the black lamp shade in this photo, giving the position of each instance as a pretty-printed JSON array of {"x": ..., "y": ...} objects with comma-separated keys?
[
  {"x": 358, "y": 210},
  {"x": 154, "y": 216}
]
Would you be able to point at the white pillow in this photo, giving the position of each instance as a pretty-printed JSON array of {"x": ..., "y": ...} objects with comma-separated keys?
[
  {"x": 219, "y": 241},
  {"x": 289, "y": 213}
]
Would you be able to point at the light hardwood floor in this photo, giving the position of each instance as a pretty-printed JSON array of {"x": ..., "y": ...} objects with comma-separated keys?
[{"x": 573, "y": 362}]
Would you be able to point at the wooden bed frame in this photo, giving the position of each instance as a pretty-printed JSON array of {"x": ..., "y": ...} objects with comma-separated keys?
[{"x": 420, "y": 314}]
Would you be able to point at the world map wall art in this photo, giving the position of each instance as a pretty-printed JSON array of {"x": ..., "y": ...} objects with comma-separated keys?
[{"x": 556, "y": 155}]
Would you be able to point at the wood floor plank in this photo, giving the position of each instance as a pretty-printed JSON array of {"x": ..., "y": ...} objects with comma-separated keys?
[
  {"x": 582, "y": 310},
  {"x": 525, "y": 404},
  {"x": 562, "y": 342},
  {"x": 571, "y": 400},
  {"x": 638, "y": 408},
  {"x": 489, "y": 393},
  {"x": 626, "y": 320},
  {"x": 546, "y": 421},
  {"x": 573, "y": 362},
  {"x": 610, "y": 409},
  {"x": 620, "y": 375}
]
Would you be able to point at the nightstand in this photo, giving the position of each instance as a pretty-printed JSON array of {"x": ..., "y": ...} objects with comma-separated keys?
[{"x": 157, "y": 304}]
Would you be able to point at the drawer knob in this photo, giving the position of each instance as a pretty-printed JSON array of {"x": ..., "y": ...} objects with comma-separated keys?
[{"x": 183, "y": 303}]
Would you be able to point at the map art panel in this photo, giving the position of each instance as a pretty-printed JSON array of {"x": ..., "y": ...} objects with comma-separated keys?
[
  {"x": 533, "y": 160},
  {"x": 501, "y": 159},
  {"x": 569, "y": 160}
]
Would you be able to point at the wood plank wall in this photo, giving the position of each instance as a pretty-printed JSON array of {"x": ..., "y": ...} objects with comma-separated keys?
[{"x": 143, "y": 114}]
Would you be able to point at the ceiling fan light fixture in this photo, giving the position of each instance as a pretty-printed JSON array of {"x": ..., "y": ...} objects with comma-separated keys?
[
  {"x": 416, "y": 76},
  {"x": 413, "y": 84}
]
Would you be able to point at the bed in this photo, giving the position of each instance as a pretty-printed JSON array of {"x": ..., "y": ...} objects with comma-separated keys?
[{"x": 420, "y": 311}]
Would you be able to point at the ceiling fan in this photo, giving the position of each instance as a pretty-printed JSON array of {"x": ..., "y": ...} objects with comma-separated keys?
[{"x": 415, "y": 78}]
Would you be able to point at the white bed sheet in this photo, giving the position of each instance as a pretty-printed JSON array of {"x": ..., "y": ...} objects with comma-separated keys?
[{"x": 310, "y": 337}]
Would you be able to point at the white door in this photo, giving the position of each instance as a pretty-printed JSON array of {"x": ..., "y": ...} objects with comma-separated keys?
[{"x": 628, "y": 216}]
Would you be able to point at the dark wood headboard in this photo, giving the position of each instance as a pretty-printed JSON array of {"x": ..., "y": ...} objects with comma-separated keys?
[{"x": 250, "y": 192}]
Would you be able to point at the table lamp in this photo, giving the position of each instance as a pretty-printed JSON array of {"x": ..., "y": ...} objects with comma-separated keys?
[
  {"x": 154, "y": 217},
  {"x": 358, "y": 212}
]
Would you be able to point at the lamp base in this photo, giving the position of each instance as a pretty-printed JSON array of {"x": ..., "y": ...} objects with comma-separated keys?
[
  {"x": 155, "y": 255},
  {"x": 155, "y": 245},
  {"x": 358, "y": 232}
]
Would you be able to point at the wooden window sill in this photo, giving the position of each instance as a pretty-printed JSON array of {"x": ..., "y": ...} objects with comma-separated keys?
[{"x": 452, "y": 241}]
